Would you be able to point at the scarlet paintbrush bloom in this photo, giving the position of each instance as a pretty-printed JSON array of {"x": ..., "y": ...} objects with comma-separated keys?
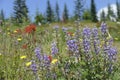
[
  {"x": 50, "y": 58},
  {"x": 24, "y": 46},
  {"x": 70, "y": 33},
  {"x": 31, "y": 28}
]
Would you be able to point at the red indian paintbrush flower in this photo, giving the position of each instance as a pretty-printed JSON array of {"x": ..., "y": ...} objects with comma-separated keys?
[
  {"x": 50, "y": 58},
  {"x": 31, "y": 28},
  {"x": 70, "y": 33},
  {"x": 24, "y": 46}
]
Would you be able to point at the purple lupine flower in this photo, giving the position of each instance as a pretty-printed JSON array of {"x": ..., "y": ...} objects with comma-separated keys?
[
  {"x": 72, "y": 46},
  {"x": 96, "y": 41},
  {"x": 45, "y": 58},
  {"x": 64, "y": 29},
  {"x": 103, "y": 28},
  {"x": 86, "y": 32},
  {"x": 112, "y": 57},
  {"x": 95, "y": 32},
  {"x": 86, "y": 45},
  {"x": 54, "y": 49},
  {"x": 38, "y": 53},
  {"x": 34, "y": 67},
  {"x": 46, "y": 61},
  {"x": 111, "y": 53},
  {"x": 86, "y": 39},
  {"x": 56, "y": 27},
  {"x": 96, "y": 46}
]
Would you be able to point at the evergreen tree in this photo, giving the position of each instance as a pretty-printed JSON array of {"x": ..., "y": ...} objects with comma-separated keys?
[
  {"x": 57, "y": 12},
  {"x": 110, "y": 12},
  {"x": 86, "y": 15},
  {"x": 53, "y": 15},
  {"x": 25, "y": 10},
  {"x": 39, "y": 18},
  {"x": 118, "y": 10},
  {"x": 102, "y": 16},
  {"x": 2, "y": 17},
  {"x": 65, "y": 13},
  {"x": 49, "y": 12},
  {"x": 79, "y": 4},
  {"x": 20, "y": 11},
  {"x": 93, "y": 12}
]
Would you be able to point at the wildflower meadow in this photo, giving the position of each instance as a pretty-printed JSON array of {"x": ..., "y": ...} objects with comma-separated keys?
[
  {"x": 59, "y": 40},
  {"x": 60, "y": 53}
]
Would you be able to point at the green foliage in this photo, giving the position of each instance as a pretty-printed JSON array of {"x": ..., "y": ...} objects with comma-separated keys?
[
  {"x": 49, "y": 12},
  {"x": 86, "y": 15},
  {"x": 118, "y": 10},
  {"x": 2, "y": 18},
  {"x": 79, "y": 4},
  {"x": 89, "y": 67},
  {"x": 57, "y": 13},
  {"x": 39, "y": 18},
  {"x": 20, "y": 11},
  {"x": 93, "y": 12}
]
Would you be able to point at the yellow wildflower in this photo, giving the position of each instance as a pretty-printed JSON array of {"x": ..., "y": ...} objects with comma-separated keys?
[
  {"x": 0, "y": 54},
  {"x": 116, "y": 38},
  {"x": 8, "y": 33},
  {"x": 100, "y": 46},
  {"x": 19, "y": 39},
  {"x": 8, "y": 29},
  {"x": 54, "y": 61},
  {"x": 28, "y": 64},
  {"x": 73, "y": 34},
  {"x": 80, "y": 40},
  {"x": 23, "y": 57},
  {"x": 15, "y": 31},
  {"x": 66, "y": 48}
]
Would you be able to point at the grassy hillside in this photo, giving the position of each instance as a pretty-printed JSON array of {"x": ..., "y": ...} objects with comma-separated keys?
[{"x": 18, "y": 45}]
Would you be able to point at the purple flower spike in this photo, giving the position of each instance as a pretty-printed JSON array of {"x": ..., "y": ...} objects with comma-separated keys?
[
  {"x": 38, "y": 53},
  {"x": 111, "y": 53},
  {"x": 95, "y": 32},
  {"x": 103, "y": 28},
  {"x": 45, "y": 57},
  {"x": 34, "y": 68},
  {"x": 96, "y": 41},
  {"x": 86, "y": 45},
  {"x": 64, "y": 29},
  {"x": 54, "y": 49},
  {"x": 56, "y": 27},
  {"x": 46, "y": 61},
  {"x": 72, "y": 46},
  {"x": 87, "y": 32}
]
